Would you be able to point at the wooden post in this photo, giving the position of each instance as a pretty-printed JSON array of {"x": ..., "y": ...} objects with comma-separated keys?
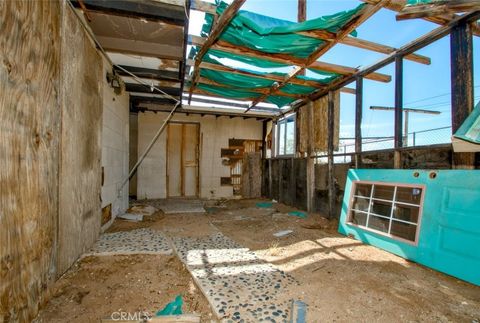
[
  {"x": 302, "y": 10},
  {"x": 310, "y": 161},
  {"x": 331, "y": 134},
  {"x": 461, "y": 52},
  {"x": 358, "y": 121},
  {"x": 398, "y": 135}
]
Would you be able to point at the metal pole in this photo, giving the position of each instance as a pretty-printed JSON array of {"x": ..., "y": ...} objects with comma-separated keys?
[{"x": 149, "y": 147}]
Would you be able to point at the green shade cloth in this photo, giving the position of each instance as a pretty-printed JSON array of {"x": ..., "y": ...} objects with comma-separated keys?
[
  {"x": 470, "y": 129},
  {"x": 268, "y": 35},
  {"x": 172, "y": 308},
  {"x": 419, "y": 2},
  {"x": 271, "y": 35}
]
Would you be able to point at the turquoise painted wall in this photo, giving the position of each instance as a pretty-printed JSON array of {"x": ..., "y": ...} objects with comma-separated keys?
[{"x": 449, "y": 238}]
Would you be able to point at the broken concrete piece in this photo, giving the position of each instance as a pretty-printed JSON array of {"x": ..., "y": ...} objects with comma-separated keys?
[
  {"x": 131, "y": 217},
  {"x": 282, "y": 233}
]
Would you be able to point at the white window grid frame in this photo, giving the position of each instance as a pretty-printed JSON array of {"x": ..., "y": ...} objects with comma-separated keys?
[
  {"x": 391, "y": 218},
  {"x": 277, "y": 136}
]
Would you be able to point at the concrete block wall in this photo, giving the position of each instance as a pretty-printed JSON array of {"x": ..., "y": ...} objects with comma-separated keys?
[
  {"x": 115, "y": 146},
  {"x": 214, "y": 135}
]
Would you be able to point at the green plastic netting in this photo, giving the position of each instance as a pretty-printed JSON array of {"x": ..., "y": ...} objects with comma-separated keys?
[{"x": 267, "y": 35}]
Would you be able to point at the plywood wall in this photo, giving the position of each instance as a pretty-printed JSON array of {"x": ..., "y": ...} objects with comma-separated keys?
[
  {"x": 51, "y": 106},
  {"x": 80, "y": 169},
  {"x": 29, "y": 142}
]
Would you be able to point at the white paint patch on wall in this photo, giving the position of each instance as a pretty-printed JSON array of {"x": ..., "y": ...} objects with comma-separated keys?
[
  {"x": 214, "y": 135},
  {"x": 115, "y": 146}
]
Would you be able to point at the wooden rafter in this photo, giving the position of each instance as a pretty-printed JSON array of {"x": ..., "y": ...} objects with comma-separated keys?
[
  {"x": 441, "y": 19},
  {"x": 285, "y": 59},
  {"x": 329, "y": 36},
  {"x": 217, "y": 29},
  {"x": 361, "y": 16},
  {"x": 438, "y": 8}
]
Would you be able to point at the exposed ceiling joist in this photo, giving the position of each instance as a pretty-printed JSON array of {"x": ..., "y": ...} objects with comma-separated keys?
[
  {"x": 148, "y": 73},
  {"x": 438, "y": 8},
  {"x": 142, "y": 48},
  {"x": 140, "y": 88},
  {"x": 220, "y": 24},
  {"x": 141, "y": 9},
  {"x": 285, "y": 59},
  {"x": 443, "y": 19}
]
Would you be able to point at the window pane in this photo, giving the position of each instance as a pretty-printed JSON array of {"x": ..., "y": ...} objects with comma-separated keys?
[
  {"x": 383, "y": 192},
  {"x": 406, "y": 213},
  {"x": 290, "y": 144},
  {"x": 403, "y": 230},
  {"x": 377, "y": 223},
  {"x": 361, "y": 204},
  {"x": 363, "y": 190},
  {"x": 410, "y": 195},
  {"x": 281, "y": 138},
  {"x": 358, "y": 218},
  {"x": 381, "y": 208}
]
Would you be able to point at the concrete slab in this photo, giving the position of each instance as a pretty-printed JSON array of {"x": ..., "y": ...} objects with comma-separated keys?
[
  {"x": 139, "y": 241},
  {"x": 239, "y": 286}
]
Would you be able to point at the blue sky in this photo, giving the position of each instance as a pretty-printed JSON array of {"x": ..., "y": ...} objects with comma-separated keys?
[{"x": 425, "y": 86}]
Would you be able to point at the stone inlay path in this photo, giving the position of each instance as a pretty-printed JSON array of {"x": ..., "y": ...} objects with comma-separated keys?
[
  {"x": 239, "y": 286},
  {"x": 139, "y": 241}
]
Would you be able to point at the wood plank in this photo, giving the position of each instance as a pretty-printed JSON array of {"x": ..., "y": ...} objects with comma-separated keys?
[
  {"x": 358, "y": 121},
  {"x": 141, "y": 72},
  {"x": 398, "y": 124},
  {"x": 360, "y": 17},
  {"x": 444, "y": 19},
  {"x": 216, "y": 31},
  {"x": 438, "y": 8},
  {"x": 140, "y": 9},
  {"x": 331, "y": 138},
  {"x": 135, "y": 87},
  {"x": 141, "y": 48},
  {"x": 290, "y": 60}
]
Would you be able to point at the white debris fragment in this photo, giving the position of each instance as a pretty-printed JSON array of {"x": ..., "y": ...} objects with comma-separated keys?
[{"x": 282, "y": 233}]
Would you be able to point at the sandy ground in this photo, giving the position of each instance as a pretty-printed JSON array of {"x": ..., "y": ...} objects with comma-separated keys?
[{"x": 340, "y": 279}]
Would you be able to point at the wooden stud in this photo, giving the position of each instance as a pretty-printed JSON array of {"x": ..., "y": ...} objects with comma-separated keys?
[
  {"x": 438, "y": 8},
  {"x": 398, "y": 127},
  {"x": 358, "y": 121},
  {"x": 461, "y": 49},
  {"x": 331, "y": 135}
]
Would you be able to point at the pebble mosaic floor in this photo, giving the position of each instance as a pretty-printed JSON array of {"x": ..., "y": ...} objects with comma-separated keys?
[
  {"x": 239, "y": 286},
  {"x": 139, "y": 241}
]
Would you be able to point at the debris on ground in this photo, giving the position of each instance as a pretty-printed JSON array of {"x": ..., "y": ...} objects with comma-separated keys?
[
  {"x": 131, "y": 217},
  {"x": 264, "y": 205},
  {"x": 282, "y": 233},
  {"x": 142, "y": 209},
  {"x": 172, "y": 308},
  {"x": 300, "y": 214}
]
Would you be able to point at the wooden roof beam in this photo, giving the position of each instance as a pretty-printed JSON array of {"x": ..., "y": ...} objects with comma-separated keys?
[
  {"x": 361, "y": 16},
  {"x": 285, "y": 59},
  {"x": 444, "y": 19},
  {"x": 146, "y": 9},
  {"x": 220, "y": 24},
  {"x": 438, "y": 8}
]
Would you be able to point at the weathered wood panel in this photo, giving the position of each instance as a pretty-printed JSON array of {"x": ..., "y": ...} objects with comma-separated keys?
[
  {"x": 80, "y": 168},
  {"x": 29, "y": 132}
]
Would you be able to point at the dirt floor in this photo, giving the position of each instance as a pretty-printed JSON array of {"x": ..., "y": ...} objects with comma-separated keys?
[{"x": 339, "y": 278}]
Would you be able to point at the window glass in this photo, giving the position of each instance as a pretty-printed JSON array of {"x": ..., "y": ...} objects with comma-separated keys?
[
  {"x": 281, "y": 141},
  {"x": 290, "y": 140},
  {"x": 286, "y": 136}
]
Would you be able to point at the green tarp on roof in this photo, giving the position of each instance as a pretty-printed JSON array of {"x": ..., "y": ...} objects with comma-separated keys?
[
  {"x": 272, "y": 35},
  {"x": 268, "y": 35}
]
